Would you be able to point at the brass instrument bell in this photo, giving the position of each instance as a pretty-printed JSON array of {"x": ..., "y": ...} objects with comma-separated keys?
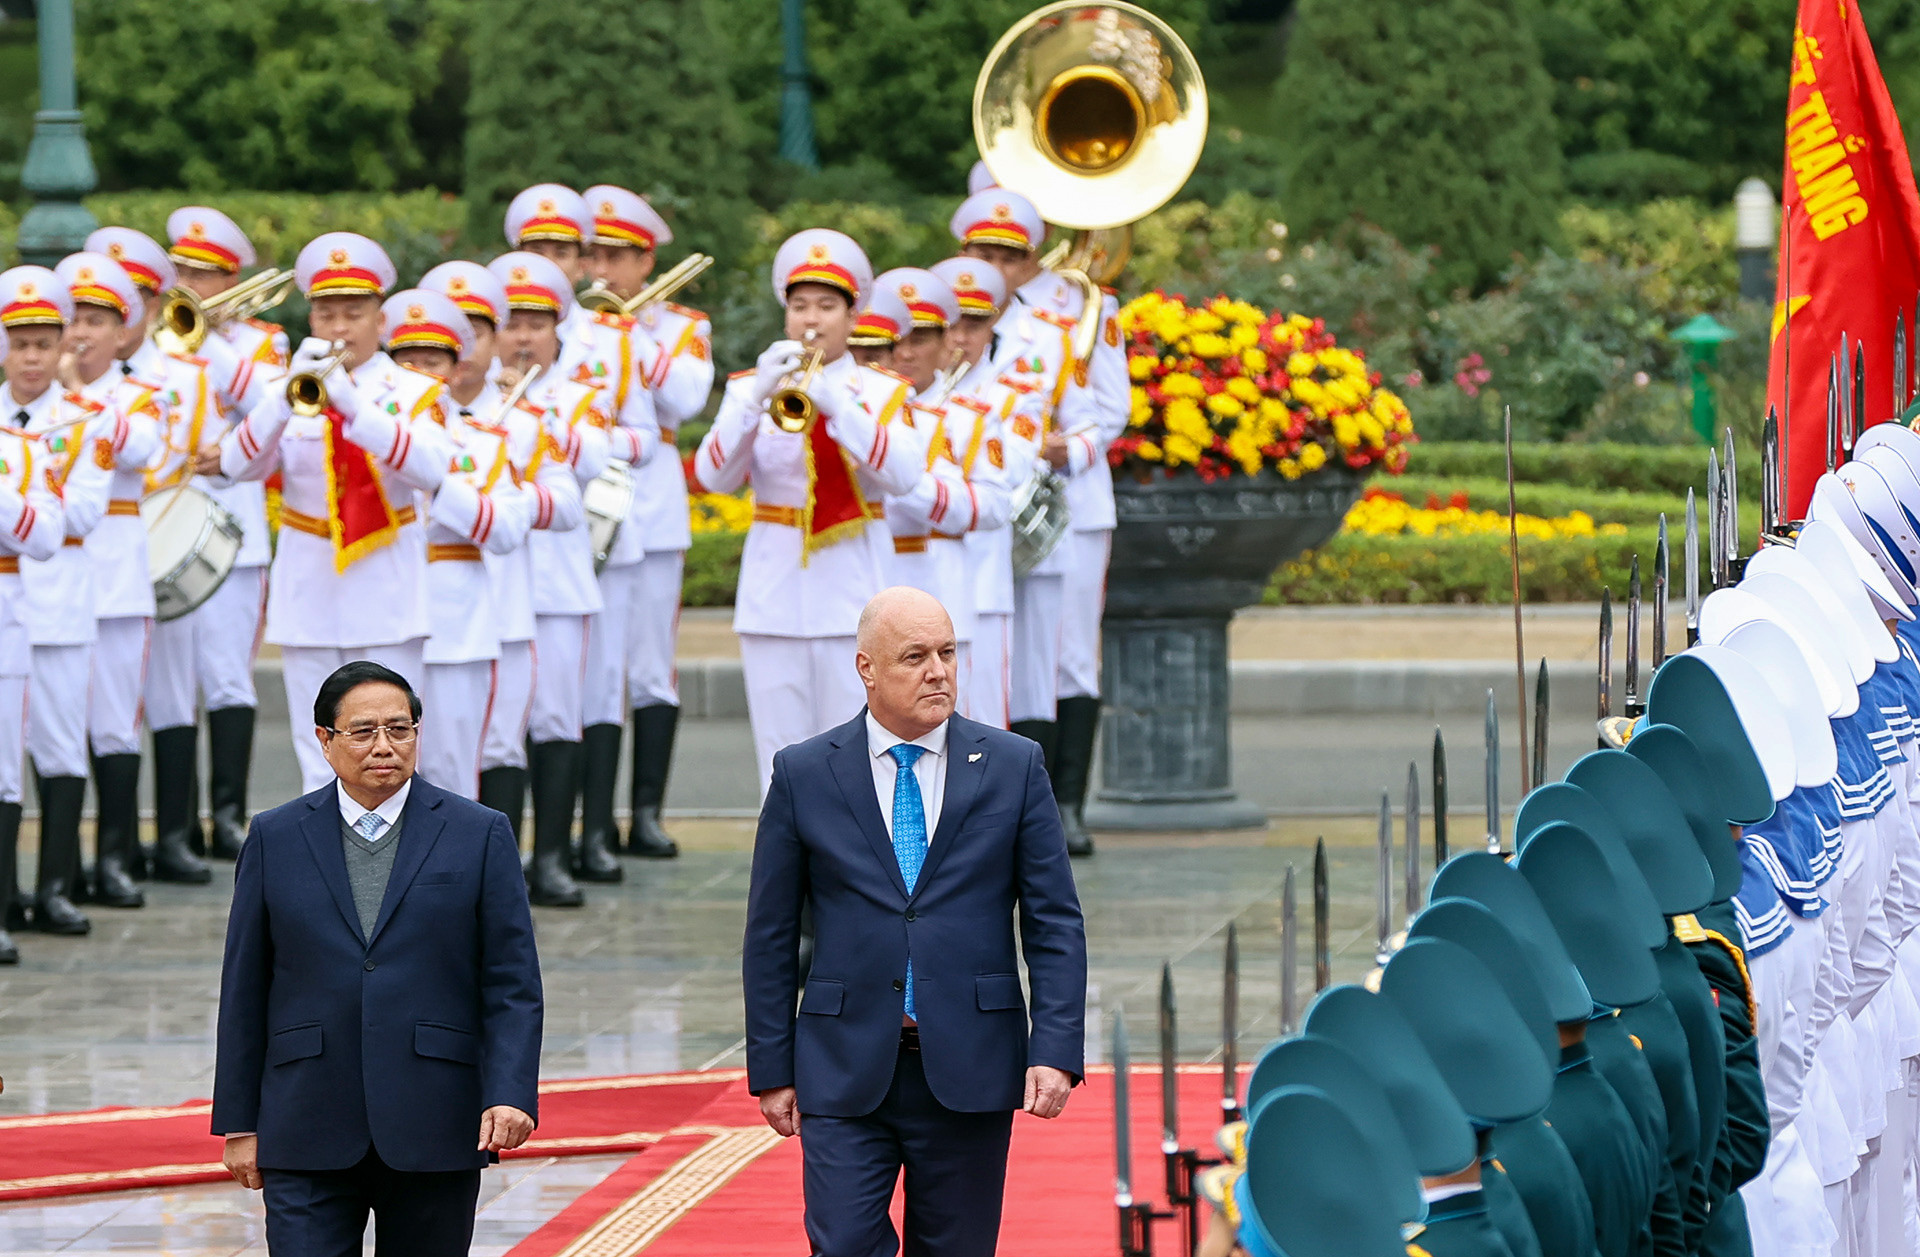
[
  {"x": 307, "y": 390},
  {"x": 791, "y": 406}
]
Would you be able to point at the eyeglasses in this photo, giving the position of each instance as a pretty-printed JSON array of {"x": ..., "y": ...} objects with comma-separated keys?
[{"x": 361, "y": 739}]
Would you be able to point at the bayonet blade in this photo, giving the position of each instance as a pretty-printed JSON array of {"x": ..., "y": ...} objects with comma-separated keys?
[
  {"x": 1690, "y": 551},
  {"x": 1230, "y": 1029},
  {"x": 1289, "y": 956},
  {"x": 1493, "y": 776},
  {"x": 1122, "y": 1114},
  {"x": 1899, "y": 363},
  {"x": 1322, "y": 920},
  {"x": 1631, "y": 704},
  {"x": 1439, "y": 799},
  {"x": 1169, "y": 1063},
  {"x": 1412, "y": 856},
  {"x": 1540, "y": 725},
  {"x": 1605, "y": 692},
  {"x": 1716, "y": 519},
  {"x": 1662, "y": 578},
  {"x": 1383, "y": 885},
  {"x": 1770, "y": 513},
  {"x": 1857, "y": 421},
  {"x": 1730, "y": 497},
  {"x": 1833, "y": 412}
]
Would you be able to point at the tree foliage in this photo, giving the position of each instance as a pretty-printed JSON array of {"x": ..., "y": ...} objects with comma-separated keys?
[{"x": 1428, "y": 118}]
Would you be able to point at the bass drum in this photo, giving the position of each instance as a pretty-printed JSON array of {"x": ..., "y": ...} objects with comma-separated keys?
[
  {"x": 192, "y": 542},
  {"x": 1039, "y": 519},
  {"x": 607, "y": 499}
]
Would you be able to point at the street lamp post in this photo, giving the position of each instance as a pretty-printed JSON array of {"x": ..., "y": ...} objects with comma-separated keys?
[
  {"x": 1754, "y": 239},
  {"x": 796, "y": 90},
  {"x": 59, "y": 169}
]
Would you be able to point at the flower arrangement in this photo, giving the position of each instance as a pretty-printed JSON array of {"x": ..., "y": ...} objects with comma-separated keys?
[
  {"x": 720, "y": 512},
  {"x": 1227, "y": 388},
  {"x": 1379, "y": 513}
]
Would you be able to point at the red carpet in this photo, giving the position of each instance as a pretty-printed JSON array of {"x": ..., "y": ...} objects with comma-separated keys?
[
  {"x": 723, "y": 1183},
  {"x": 60, "y": 1154}
]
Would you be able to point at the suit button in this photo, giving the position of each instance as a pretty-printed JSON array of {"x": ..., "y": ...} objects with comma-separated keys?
[
  {"x": 910, "y": 914},
  {"x": 370, "y": 966},
  {"x": 899, "y": 985}
]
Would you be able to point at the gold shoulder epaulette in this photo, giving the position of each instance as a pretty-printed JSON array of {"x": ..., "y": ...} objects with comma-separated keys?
[
  {"x": 891, "y": 374},
  {"x": 263, "y": 325},
  {"x": 1060, "y": 321},
  {"x": 1739, "y": 957},
  {"x": 737, "y": 374},
  {"x": 974, "y": 404},
  {"x": 607, "y": 318},
  {"x": 85, "y": 403},
  {"x": 698, "y": 316},
  {"x": 1686, "y": 928}
]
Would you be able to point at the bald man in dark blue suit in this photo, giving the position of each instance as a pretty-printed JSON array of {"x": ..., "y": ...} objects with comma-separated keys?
[{"x": 915, "y": 836}]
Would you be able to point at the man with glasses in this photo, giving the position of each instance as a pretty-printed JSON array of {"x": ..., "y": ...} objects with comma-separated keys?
[{"x": 380, "y": 1000}]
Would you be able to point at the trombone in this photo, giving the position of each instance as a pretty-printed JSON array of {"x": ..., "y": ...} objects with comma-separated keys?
[
  {"x": 600, "y": 299},
  {"x": 186, "y": 319},
  {"x": 791, "y": 406},
  {"x": 307, "y": 390}
]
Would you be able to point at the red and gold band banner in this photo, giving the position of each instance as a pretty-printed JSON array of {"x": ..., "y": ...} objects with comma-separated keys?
[{"x": 358, "y": 513}]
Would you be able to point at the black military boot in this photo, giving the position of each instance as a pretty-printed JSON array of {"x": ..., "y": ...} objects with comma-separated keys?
[
  {"x": 653, "y": 730},
  {"x": 1042, "y": 731},
  {"x": 53, "y": 911},
  {"x": 229, "y": 762},
  {"x": 505, "y": 791},
  {"x": 116, "y": 830},
  {"x": 1073, "y": 765},
  {"x": 550, "y": 884},
  {"x": 599, "y": 833},
  {"x": 176, "y": 808},
  {"x": 9, "y": 878}
]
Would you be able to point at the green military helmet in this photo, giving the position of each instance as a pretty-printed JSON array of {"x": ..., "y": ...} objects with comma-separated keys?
[
  {"x": 1482, "y": 1048},
  {"x": 1564, "y": 866},
  {"x": 1311, "y": 1060},
  {"x": 1366, "y": 1025},
  {"x": 1687, "y": 694},
  {"x": 1654, "y": 828},
  {"x": 1497, "y": 886},
  {"x": 1669, "y": 751},
  {"x": 1469, "y": 924},
  {"x": 1312, "y": 1186},
  {"x": 1558, "y": 801}
]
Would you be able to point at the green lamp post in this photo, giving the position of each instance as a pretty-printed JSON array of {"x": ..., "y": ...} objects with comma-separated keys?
[
  {"x": 58, "y": 170},
  {"x": 796, "y": 89},
  {"x": 1703, "y": 335}
]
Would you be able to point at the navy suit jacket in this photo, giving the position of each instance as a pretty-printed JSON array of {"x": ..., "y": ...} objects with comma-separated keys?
[
  {"x": 331, "y": 1041},
  {"x": 997, "y": 849}
]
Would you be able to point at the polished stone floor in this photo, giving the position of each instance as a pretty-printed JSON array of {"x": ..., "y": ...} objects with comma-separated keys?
[{"x": 644, "y": 979}]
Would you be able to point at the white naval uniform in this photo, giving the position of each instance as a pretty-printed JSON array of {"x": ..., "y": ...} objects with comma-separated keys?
[
  {"x": 565, "y": 593},
  {"x": 481, "y": 508},
  {"x": 796, "y": 620},
  {"x": 32, "y": 526},
  {"x": 541, "y": 464},
  {"x": 59, "y": 589},
  {"x": 207, "y": 655},
  {"x": 376, "y": 609}
]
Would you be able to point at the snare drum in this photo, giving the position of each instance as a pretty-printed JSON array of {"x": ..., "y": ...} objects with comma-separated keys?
[
  {"x": 607, "y": 499},
  {"x": 192, "y": 542}
]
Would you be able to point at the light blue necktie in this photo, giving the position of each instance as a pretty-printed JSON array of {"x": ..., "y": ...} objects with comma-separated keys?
[
  {"x": 368, "y": 825},
  {"x": 909, "y": 829}
]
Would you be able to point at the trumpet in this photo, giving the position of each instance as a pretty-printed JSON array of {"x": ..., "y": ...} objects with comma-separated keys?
[
  {"x": 307, "y": 390},
  {"x": 186, "y": 319},
  {"x": 601, "y": 299},
  {"x": 791, "y": 406}
]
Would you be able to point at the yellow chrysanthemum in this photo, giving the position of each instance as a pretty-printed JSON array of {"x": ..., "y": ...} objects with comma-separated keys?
[
  {"x": 1225, "y": 405},
  {"x": 1209, "y": 345},
  {"x": 1140, "y": 368}
]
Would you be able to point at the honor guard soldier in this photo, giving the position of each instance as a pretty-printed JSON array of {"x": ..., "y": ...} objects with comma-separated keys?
[
  {"x": 207, "y": 656},
  {"x": 360, "y": 444},
  {"x": 610, "y": 351},
  {"x": 1057, "y": 620},
  {"x": 107, "y": 309},
  {"x": 822, "y": 440},
  {"x": 35, "y": 309},
  {"x": 32, "y": 526},
  {"x": 626, "y": 233},
  {"x": 565, "y": 594},
  {"x": 480, "y": 509}
]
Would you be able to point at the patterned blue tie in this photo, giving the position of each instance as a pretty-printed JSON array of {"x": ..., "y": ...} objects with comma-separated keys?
[
  {"x": 368, "y": 825},
  {"x": 909, "y": 829}
]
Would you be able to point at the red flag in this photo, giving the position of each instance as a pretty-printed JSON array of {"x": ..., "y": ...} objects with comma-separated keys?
[
  {"x": 1849, "y": 235},
  {"x": 358, "y": 513}
]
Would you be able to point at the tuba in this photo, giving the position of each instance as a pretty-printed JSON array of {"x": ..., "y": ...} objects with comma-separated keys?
[
  {"x": 185, "y": 319},
  {"x": 600, "y": 299}
]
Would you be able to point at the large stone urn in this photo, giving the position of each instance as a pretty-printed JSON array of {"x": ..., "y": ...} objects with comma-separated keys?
[{"x": 1186, "y": 556}]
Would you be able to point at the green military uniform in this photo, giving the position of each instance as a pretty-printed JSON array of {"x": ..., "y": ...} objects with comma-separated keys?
[
  {"x": 1620, "y": 1059},
  {"x": 1461, "y": 1226}
]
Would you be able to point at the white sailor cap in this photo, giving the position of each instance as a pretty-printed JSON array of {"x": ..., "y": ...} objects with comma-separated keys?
[
  {"x": 420, "y": 318},
  {"x": 821, "y": 255},
  {"x": 95, "y": 279},
  {"x": 621, "y": 217},
  {"x": 1761, "y": 714},
  {"x": 474, "y": 288},
  {"x": 1834, "y": 503},
  {"x": 998, "y": 216},
  {"x": 208, "y": 240},
  {"x": 139, "y": 254},
  {"x": 980, "y": 288},
  {"x": 883, "y": 320},
  {"x": 1782, "y": 661},
  {"x": 533, "y": 283},
  {"x": 1889, "y": 522},
  {"x": 979, "y": 179},
  {"x": 1847, "y": 566},
  {"x": 1724, "y": 610},
  {"x": 343, "y": 264},
  {"x": 928, "y": 297},
  {"x": 1865, "y": 634},
  {"x": 33, "y": 296},
  {"x": 548, "y": 211}
]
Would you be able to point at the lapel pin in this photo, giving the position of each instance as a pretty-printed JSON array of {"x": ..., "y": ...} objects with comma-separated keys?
[{"x": 973, "y": 757}]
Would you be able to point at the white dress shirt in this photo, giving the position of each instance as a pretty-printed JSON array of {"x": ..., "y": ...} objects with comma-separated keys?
[
  {"x": 930, "y": 770},
  {"x": 388, "y": 812}
]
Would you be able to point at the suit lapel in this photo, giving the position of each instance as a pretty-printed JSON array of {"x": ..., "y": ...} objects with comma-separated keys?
[
  {"x": 966, "y": 766},
  {"x": 855, "y": 777},
  {"x": 322, "y": 830},
  {"x": 420, "y": 826}
]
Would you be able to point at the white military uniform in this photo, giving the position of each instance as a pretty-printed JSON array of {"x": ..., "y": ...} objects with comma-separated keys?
[
  {"x": 993, "y": 414},
  {"x": 32, "y": 526}
]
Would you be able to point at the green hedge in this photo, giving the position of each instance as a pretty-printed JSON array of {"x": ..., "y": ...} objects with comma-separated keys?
[
  {"x": 713, "y": 569},
  {"x": 1649, "y": 469},
  {"x": 1606, "y": 506}
]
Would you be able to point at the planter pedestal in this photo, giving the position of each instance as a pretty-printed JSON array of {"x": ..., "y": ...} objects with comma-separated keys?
[{"x": 1186, "y": 555}]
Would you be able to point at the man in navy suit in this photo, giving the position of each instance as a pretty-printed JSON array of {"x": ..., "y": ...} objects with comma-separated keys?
[
  {"x": 380, "y": 1002},
  {"x": 911, "y": 1048}
]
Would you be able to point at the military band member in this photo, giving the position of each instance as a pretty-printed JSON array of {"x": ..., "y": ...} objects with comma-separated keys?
[
  {"x": 207, "y": 656},
  {"x": 565, "y": 594},
  {"x": 32, "y": 525},
  {"x": 480, "y": 509},
  {"x": 882, "y": 321},
  {"x": 811, "y": 560},
  {"x": 626, "y": 233},
  {"x": 57, "y": 601},
  {"x": 107, "y": 309},
  {"x": 349, "y": 572}
]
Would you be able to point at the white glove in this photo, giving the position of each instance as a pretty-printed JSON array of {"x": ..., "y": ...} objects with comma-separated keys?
[
  {"x": 831, "y": 398},
  {"x": 777, "y": 361},
  {"x": 312, "y": 352}
]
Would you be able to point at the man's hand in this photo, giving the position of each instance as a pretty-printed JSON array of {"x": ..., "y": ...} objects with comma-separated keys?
[
  {"x": 1047, "y": 1091},
  {"x": 781, "y": 1107},
  {"x": 1054, "y": 450},
  {"x": 242, "y": 1159},
  {"x": 207, "y": 461},
  {"x": 503, "y": 1127}
]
